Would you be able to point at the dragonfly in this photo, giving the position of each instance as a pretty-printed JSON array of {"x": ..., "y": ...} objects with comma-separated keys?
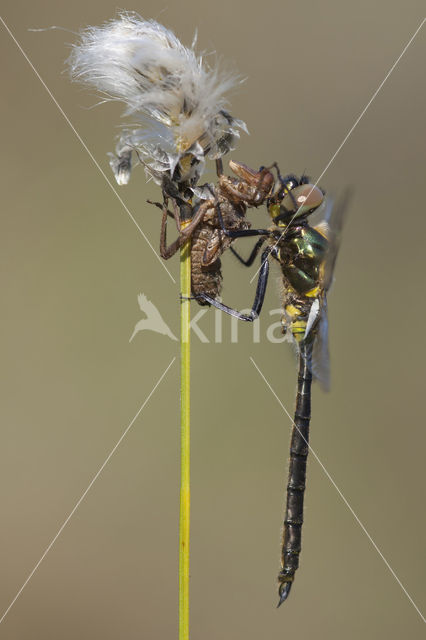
[{"x": 306, "y": 255}]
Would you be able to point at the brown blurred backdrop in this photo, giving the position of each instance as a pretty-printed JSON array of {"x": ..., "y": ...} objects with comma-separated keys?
[{"x": 72, "y": 265}]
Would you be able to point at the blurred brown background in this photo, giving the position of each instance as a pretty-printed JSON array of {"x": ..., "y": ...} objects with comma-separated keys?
[{"x": 72, "y": 266}]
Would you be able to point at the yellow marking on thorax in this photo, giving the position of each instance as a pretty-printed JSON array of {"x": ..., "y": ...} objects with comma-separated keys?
[
  {"x": 274, "y": 211},
  {"x": 313, "y": 293}
]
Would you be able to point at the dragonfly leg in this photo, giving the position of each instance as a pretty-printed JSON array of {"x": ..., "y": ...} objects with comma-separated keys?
[
  {"x": 241, "y": 233},
  {"x": 167, "y": 252},
  {"x": 252, "y": 255},
  {"x": 161, "y": 206},
  {"x": 258, "y": 299},
  {"x": 247, "y": 233}
]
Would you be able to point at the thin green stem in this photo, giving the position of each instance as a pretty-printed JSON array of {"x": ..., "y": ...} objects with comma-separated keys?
[{"x": 185, "y": 497}]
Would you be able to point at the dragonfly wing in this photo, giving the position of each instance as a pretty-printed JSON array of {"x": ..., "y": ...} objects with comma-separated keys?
[
  {"x": 334, "y": 217},
  {"x": 320, "y": 353},
  {"x": 313, "y": 316}
]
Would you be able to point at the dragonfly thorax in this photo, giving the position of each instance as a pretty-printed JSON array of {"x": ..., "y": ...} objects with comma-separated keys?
[{"x": 301, "y": 254}]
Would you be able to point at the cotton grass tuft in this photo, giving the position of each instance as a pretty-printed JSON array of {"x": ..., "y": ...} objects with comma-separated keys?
[{"x": 176, "y": 100}]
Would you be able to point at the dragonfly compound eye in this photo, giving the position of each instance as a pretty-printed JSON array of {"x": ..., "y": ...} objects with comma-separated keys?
[{"x": 304, "y": 199}]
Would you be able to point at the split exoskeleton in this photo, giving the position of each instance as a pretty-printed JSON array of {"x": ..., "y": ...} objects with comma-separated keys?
[{"x": 213, "y": 220}]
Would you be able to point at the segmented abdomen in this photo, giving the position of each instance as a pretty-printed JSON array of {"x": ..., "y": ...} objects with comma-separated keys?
[
  {"x": 204, "y": 278},
  {"x": 208, "y": 244}
]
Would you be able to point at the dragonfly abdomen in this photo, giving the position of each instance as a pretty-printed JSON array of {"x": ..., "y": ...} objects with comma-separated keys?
[{"x": 293, "y": 519}]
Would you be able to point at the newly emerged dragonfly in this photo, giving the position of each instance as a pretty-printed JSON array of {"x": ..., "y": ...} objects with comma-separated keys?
[{"x": 306, "y": 255}]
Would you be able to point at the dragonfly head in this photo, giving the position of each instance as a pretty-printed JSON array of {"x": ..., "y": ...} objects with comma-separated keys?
[{"x": 296, "y": 199}]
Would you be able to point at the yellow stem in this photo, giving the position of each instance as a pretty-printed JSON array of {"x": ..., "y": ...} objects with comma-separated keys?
[{"x": 185, "y": 499}]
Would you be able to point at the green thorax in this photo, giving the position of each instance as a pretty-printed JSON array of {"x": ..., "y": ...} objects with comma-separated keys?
[{"x": 302, "y": 252}]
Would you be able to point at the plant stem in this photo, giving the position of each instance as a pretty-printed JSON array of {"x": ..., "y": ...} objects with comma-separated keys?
[{"x": 185, "y": 499}]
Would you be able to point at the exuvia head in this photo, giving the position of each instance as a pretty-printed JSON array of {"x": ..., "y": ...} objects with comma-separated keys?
[
  {"x": 261, "y": 183},
  {"x": 295, "y": 199}
]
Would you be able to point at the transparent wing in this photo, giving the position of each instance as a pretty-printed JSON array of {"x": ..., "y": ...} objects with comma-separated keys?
[
  {"x": 334, "y": 217},
  {"x": 320, "y": 353},
  {"x": 333, "y": 220}
]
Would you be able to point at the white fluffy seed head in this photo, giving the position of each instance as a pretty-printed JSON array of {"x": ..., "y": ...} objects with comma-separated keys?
[{"x": 177, "y": 99}]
